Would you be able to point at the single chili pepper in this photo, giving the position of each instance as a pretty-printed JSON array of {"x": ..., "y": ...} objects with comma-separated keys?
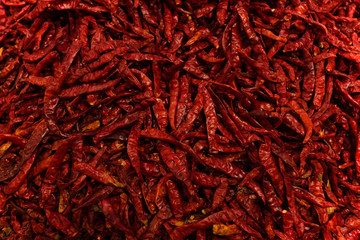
[
  {"x": 290, "y": 121},
  {"x": 204, "y": 180},
  {"x": 225, "y": 167},
  {"x": 192, "y": 115},
  {"x": 132, "y": 145},
  {"x": 125, "y": 121},
  {"x": 197, "y": 47},
  {"x": 272, "y": 199},
  {"x": 37, "y": 135},
  {"x": 192, "y": 66},
  {"x": 103, "y": 193},
  {"x": 299, "y": 192},
  {"x": 98, "y": 175},
  {"x": 235, "y": 131},
  {"x": 284, "y": 32},
  {"x": 183, "y": 100},
  {"x": 303, "y": 41},
  {"x": 309, "y": 76},
  {"x": 174, "y": 95},
  {"x": 346, "y": 94},
  {"x": 200, "y": 34},
  {"x": 208, "y": 58},
  {"x": 87, "y": 89},
  {"x": 177, "y": 166},
  {"x": 290, "y": 196},
  {"x": 176, "y": 42},
  {"x": 168, "y": 17},
  {"x": 160, "y": 193},
  {"x": 268, "y": 161},
  {"x": 61, "y": 223},
  {"x": 146, "y": 12},
  {"x": 211, "y": 120},
  {"x": 18, "y": 140},
  {"x": 161, "y": 114},
  {"x": 220, "y": 193},
  {"x": 157, "y": 134},
  {"x": 315, "y": 187},
  {"x": 176, "y": 202},
  {"x": 19, "y": 179},
  {"x": 219, "y": 217},
  {"x": 204, "y": 10},
  {"x": 324, "y": 55},
  {"x": 112, "y": 218},
  {"x": 154, "y": 226},
  {"x": 319, "y": 85},
  {"x": 305, "y": 119},
  {"x": 244, "y": 17},
  {"x": 136, "y": 198},
  {"x": 48, "y": 187}
]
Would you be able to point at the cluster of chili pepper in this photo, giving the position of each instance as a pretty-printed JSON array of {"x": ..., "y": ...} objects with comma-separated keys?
[{"x": 173, "y": 119}]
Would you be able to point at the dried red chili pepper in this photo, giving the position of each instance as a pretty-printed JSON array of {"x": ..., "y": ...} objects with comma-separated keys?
[
  {"x": 159, "y": 104},
  {"x": 177, "y": 166},
  {"x": 61, "y": 223},
  {"x": 176, "y": 203},
  {"x": 174, "y": 94}
]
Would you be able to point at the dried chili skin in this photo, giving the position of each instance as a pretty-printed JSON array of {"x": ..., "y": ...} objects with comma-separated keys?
[{"x": 179, "y": 119}]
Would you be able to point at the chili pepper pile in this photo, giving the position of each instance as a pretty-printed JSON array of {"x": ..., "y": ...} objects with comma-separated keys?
[{"x": 174, "y": 119}]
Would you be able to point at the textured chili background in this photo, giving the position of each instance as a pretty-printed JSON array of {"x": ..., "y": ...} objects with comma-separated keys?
[{"x": 170, "y": 119}]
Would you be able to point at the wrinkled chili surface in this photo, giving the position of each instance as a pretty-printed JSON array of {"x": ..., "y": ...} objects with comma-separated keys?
[{"x": 173, "y": 119}]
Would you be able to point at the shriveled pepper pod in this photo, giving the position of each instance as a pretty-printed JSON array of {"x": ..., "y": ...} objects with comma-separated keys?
[{"x": 176, "y": 119}]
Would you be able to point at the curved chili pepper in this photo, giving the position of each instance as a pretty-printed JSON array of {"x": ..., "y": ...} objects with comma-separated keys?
[
  {"x": 61, "y": 223},
  {"x": 210, "y": 114},
  {"x": 161, "y": 114},
  {"x": 200, "y": 34},
  {"x": 154, "y": 226},
  {"x": 309, "y": 77},
  {"x": 98, "y": 175},
  {"x": 271, "y": 197},
  {"x": 221, "y": 11},
  {"x": 305, "y": 119},
  {"x": 268, "y": 161},
  {"x": 183, "y": 100},
  {"x": 125, "y": 121},
  {"x": 112, "y": 218},
  {"x": 219, "y": 217},
  {"x": 192, "y": 115},
  {"x": 177, "y": 166},
  {"x": 220, "y": 193},
  {"x": 176, "y": 202},
  {"x": 132, "y": 149},
  {"x": 20, "y": 178},
  {"x": 290, "y": 196},
  {"x": 225, "y": 167},
  {"x": 204, "y": 10},
  {"x": 192, "y": 66},
  {"x": 237, "y": 134},
  {"x": 174, "y": 95},
  {"x": 157, "y": 134},
  {"x": 18, "y": 140}
]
